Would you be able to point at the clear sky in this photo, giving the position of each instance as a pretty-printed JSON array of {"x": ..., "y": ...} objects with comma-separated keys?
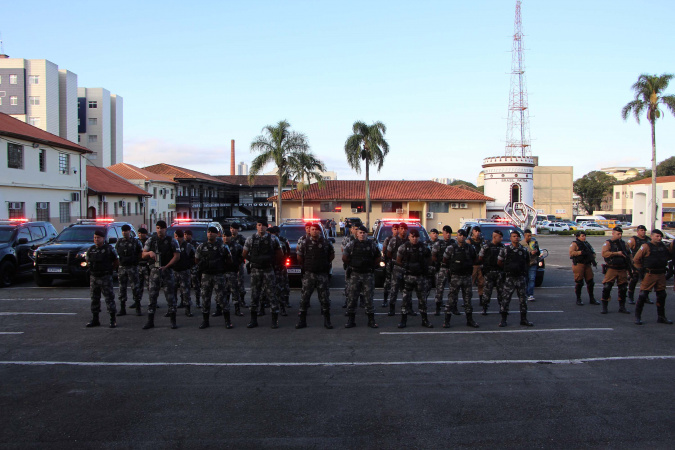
[{"x": 195, "y": 75}]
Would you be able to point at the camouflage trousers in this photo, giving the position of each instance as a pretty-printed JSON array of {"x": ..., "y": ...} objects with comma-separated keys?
[
  {"x": 183, "y": 286},
  {"x": 429, "y": 279},
  {"x": 518, "y": 284},
  {"x": 143, "y": 279},
  {"x": 161, "y": 279},
  {"x": 283, "y": 286},
  {"x": 196, "y": 282},
  {"x": 102, "y": 285},
  {"x": 457, "y": 283},
  {"x": 493, "y": 280},
  {"x": 362, "y": 285},
  {"x": 231, "y": 290},
  {"x": 442, "y": 278},
  {"x": 395, "y": 283},
  {"x": 418, "y": 284},
  {"x": 241, "y": 288},
  {"x": 263, "y": 283},
  {"x": 213, "y": 283},
  {"x": 318, "y": 281},
  {"x": 126, "y": 274}
]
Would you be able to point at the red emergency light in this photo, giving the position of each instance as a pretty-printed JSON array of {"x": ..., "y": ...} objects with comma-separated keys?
[
  {"x": 14, "y": 220},
  {"x": 105, "y": 220},
  {"x": 400, "y": 220},
  {"x": 288, "y": 262}
]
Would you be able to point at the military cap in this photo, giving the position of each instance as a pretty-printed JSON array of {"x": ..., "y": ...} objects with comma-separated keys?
[
  {"x": 403, "y": 225},
  {"x": 414, "y": 233},
  {"x": 642, "y": 227},
  {"x": 263, "y": 222},
  {"x": 126, "y": 227},
  {"x": 433, "y": 230},
  {"x": 143, "y": 230},
  {"x": 99, "y": 233},
  {"x": 579, "y": 233},
  {"x": 657, "y": 231},
  {"x": 179, "y": 233},
  {"x": 235, "y": 225},
  {"x": 447, "y": 229},
  {"x": 461, "y": 232},
  {"x": 161, "y": 224},
  {"x": 213, "y": 230},
  {"x": 619, "y": 229},
  {"x": 364, "y": 229},
  {"x": 227, "y": 233}
]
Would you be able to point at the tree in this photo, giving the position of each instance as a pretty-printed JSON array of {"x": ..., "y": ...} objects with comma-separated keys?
[
  {"x": 303, "y": 167},
  {"x": 277, "y": 144},
  {"x": 649, "y": 96},
  {"x": 592, "y": 188},
  {"x": 367, "y": 144}
]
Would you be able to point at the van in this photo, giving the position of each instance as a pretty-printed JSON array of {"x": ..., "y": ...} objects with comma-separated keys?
[
  {"x": 581, "y": 219},
  {"x": 608, "y": 223}
]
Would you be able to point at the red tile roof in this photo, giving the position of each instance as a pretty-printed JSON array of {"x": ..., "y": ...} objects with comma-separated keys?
[
  {"x": 131, "y": 172},
  {"x": 260, "y": 180},
  {"x": 103, "y": 181},
  {"x": 181, "y": 173},
  {"x": 666, "y": 179},
  {"x": 386, "y": 190},
  {"x": 11, "y": 127}
]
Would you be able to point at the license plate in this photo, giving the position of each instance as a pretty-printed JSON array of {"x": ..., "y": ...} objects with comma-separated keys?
[
  {"x": 294, "y": 271},
  {"x": 54, "y": 269}
]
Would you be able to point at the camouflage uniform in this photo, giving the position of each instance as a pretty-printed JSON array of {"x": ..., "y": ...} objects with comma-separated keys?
[
  {"x": 100, "y": 262},
  {"x": 232, "y": 274},
  {"x": 431, "y": 271},
  {"x": 477, "y": 274},
  {"x": 345, "y": 242},
  {"x": 241, "y": 288},
  {"x": 460, "y": 260},
  {"x": 281, "y": 273},
  {"x": 317, "y": 256},
  {"x": 182, "y": 271},
  {"x": 128, "y": 251},
  {"x": 143, "y": 274},
  {"x": 165, "y": 251},
  {"x": 362, "y": 283},
  {"x": 396, "y": 280},
  {"x": 516, "y": 262},
  {"x": 212, "y": 259},
  {"x": 634, "y": 244},
  {"x": 261, "y": 251},
  {"x": 442, "y": 271},
  {"x": 415, "y": 260},
  {"x": 493, "y": 273},
  {"x": 195, "y": 276}
]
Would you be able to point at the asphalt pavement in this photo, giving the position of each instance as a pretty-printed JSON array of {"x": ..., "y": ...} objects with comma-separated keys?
[{"x": 577, "y": 379}]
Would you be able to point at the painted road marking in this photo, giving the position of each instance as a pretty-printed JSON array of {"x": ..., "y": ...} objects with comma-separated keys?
[
  {"x": 11, "y": 332},
  {"x": 43, "y": 299},
  {"x": 35, "y": 314},
  {"x": 544, "y": 330},
  {"x": 491, "y": 314}
]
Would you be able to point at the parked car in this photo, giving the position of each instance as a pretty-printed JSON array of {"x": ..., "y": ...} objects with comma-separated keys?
[
  {"x": 383, "y": 230},
  {"x": 294, "y": 229},
  {"x": 18, "y": 238},
  {"x": 592, "y": 226},
  {"x": 668, "y": 225},
  {"x": 558, "y": 226},
  {"x": 353, "y": 221},
  {"x": 197, "y": 226}
]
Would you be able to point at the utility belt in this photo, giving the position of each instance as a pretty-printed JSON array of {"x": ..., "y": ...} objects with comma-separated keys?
[
  {"x": 361, "y": 270},
  {"x": 487, "y": 270},
  {"x": 101, "y": 274},
  {"x": 129, "y": 265},
  {"x": 655, "y": 271}
]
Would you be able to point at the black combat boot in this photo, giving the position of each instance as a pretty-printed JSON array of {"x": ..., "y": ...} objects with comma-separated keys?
[
  {"x": 605, "y": 303},
  {"x": 188, "y": 311},
  {"x": 446, "y": 322},
  {"x": 631, "y": 296},
  {"x": 622, "y": 307},
  {"x": 135, "y": 304},
  {"x": 392, "y": 309},
  {"x": 113, "y": 322},
  {"x": 362, "y": 302},
  {"x": 198, "y": 302},
  {"x": 242, "y": 302},
  {"x": 438, "y": 309},
  {"x": 371, "y": 321},
  {"x": 351, "y": 321},
  {"x": 262, "y": 310},
  {"x": 205, "y": 321},
  {"x": 151, "y": 322},
  {"x": 425, "y": 321},
  {"x": 168, "y": 314},
  {"x": 523, "y": 319},
  {"x": 173, "y": 321},
  {"x": 385, "y": 303},
  {"x": 182, "y": 304},
  {"x": 218, "y": 311},
  {"x": 302, "y": 323},
  {"x": 94, "y": 321},
  {"x": 503, "y": 323},
  {"x": 282, "y": 309},
  {"x": 254, "y": 320},
  {"x": 275, "y": 320},
  {"x": 344, "y": 305},
  {"x": 226, "y": 316},
  {"x": 638, "y": 309},
  {"x": 454, "y": 310},
  {"x": 470, "y": 322},
  {"x": 138, "y": 309},
  {"x": 326, "y": 320},
  {"x": 661, "y": 309},
  {"x": 410, "y": 310},
  {"x": 485, "y": 308},
  {"x": 123, "y": 309},
  {"x": 237, "y": 310},
  {"x": 577, "y": 292},
  {"x": 404, "y": 321},
  {"x": 589, "y": 288},
  {"x": 647, "y": 300}
]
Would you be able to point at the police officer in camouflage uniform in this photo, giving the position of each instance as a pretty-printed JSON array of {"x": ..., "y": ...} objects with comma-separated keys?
[
  {"x": 241, "y": 288},
  {"x": 414, "y": 259},
  {"x": 617, "y": 258},
  {"x": 129, "y": 252},
  {"x": 442, "y": 269},
  {"x": 232, "y": 272},
  {"x": 101, "y": 260},
  {"x": 477, "y": 242},
  {"x": 583, "y": 259},
  {"x": 212, "y": 257},
  {"x": 350, "y": 236},
  {"x": 492, "y": 270},
  {"x": 182, "y": 271},
  {"x": 143, "y": 271},
  {"x": 315, "y": 256},
  {"x": 262, "y": 250},
  {"x": 163, "y": 252},
  {"x": 460, "y": 257},
  {"x": 388, "y": 264},
  {"x": 195, "y": 276},
  {"x": 397, "y": 272},
  {"x": 634, "y": 244},
  {"x": 515, "y": 259},
  {"x": 281, "y": 272},
  {"x": 431, "y": 269},
  {"x": 362, "y": 256},
  {"x": 653, "y": 258}
]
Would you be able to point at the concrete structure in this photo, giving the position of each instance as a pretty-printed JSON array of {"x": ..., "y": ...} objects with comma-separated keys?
[
  {"x": 509, "y": 180},
  {"x": 100, "y": 126},
  {"x": 635, "y": 198},
  {"x": 553, "y": 190},
  {"x": 162, "y": 189},
  {"x": 111, "y": 196},
  {"x": 37, "y": 92},
  {"x": 242, "y": 168},
  {"x": 43, "y": 176},
  {"x": 623, "y": 173}
]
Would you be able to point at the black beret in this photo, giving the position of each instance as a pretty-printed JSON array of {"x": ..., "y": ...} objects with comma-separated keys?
[
  {"x": 414, "y": 233},
  {"x": 619, "y": 229},
  {"x": 657, "y": 231},
  {"x": 99, "y": 233},
  {"x": 143, "y": 230},
  {"x": 179, "y": 233},
  {"x": 126, "y": 227},
  {"x": 213, "y": 230},
  {"x": 642, "y": 227},
  {"x": 161, "y": 224},
  {"x": 275, "y": 229},
  {"x": 235, "y": 225},
  {"x": 476, "y": 229},
  {"x": 461, "y": 232},
  {"x": 447, "y": 229},
  {"x": 579, "y": 233},
  {"x": 262, "y": 222},
  {"x": 227, "y": 233},
  {"x": 364, "y": 229},
  {"x": 433, "y": 230},
  {"x": 403, "y": 225},
  {"x": 499, "y": 232}
]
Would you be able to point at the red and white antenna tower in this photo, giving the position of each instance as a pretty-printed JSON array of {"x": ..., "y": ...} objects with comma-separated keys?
[{"x": 518, "y": 126}]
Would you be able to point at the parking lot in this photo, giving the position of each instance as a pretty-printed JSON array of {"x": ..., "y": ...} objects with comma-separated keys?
[{"x": 575, "y": 379}]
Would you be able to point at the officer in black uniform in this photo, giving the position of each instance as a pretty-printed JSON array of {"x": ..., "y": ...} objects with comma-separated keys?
[
  {"x": 362, "y": 256},
  {"x": 182, "y": 272},
  {"x": 442, "y": 269},
  {"x": 460, "y": 257},
  {"x": 414, "y": 258},
  {"x": 143, "y": 271},
  {"x": 212, "y": 257},
  {"x": 492, "y": 270},
  {"x": 315, "y": 255},
  {"x": 129, "y": 251},
  {"x": 515, "y": 259},
  {"x": 241, "y": 290},
  {"x": 101, "y": 260}
]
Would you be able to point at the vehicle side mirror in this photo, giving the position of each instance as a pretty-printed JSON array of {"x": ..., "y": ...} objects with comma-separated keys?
[
  {"x": 112, "y": 240},
  {"x": 23, "y": 241}
]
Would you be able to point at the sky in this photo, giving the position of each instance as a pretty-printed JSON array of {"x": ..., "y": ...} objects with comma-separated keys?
[{"x": 437, "y": 73}]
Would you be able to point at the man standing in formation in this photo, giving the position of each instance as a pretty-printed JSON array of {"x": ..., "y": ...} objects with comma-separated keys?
[
  {"x": 414, "y": 258},
  {"x": 617, "y": 257},
  {"x": 182, "y": 270},
  {"x": 583, "y": 260},
  {"x": 195, "y": 276},
  {"x": 143, "y": 271},
  {"x": 442, "y": 270},
  {"x": 280, "y": 271},
  {"x": 460, "y": 257},
  {"x": 101, "y": 260},
  {"x": 397, "y": 273},
  {"x": 634, "y": 244},
  {"x": 477, "y": 242},
  {"x": 388, "y": 264},
  {"x": 239, "y": 239},
  {"x": 492, "y": 270},
  {"x": 515, "y": 260},
  {"x": 431, "y": 268},
  {"x": 315, "y": 255},
  {"x": 232, "y": 273},
  {"x": 653, "y": 259},
  {"x": 212, "y": 257},
  {"x": 533, "y": 247},
  {"x": 362, "y": 256},
  {"x": 129, "y": 251},
  {"x": 349, "y": 237}
]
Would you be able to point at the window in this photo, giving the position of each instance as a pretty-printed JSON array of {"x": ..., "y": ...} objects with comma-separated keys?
[
  {"x": 164, "y": 193},
  {"x": 631, "y": 194},
  {"x": 24, "y": 234},
  {"x": 154, "y": 192},
  {"x": 33, "y": 79},
  {"x": 14, "y": 156},
  {"x": 361, "y": 207},
  {"x": 38, "y": 232},
  {"x": 42, "y": 212},
  {"x": 64, "y": 212},
  {"x": 64, "y": 163},
  {"x": 115, "y": 208},
  {"x": 14, "y": 100},
  {"x": 13, "y": 79},
  {"x": 79, "y": 138},
  {"x": 16, "y": 210},
  {"x": 35, "y": 121},
  {"x": 665, "y": 193},
  {"x": 93, "y": 104},
  {"x": 171, "y": 194},
  {"x": 330, "y": 207},
  {"x": 618, "y": 195},
  {"x": 92, "y": 121},
  {"x": 93, "y": 138},
  {"x": 439, "y": 207},
  {"x": 34, "y": 101},
  {"x": 42, "y": 158},
  {"x": 136, "y": 209},
  {"x": 391, "y": 207}
]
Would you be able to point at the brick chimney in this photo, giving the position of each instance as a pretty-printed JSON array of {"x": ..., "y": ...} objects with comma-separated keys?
[{"x": 232, "y": 159}]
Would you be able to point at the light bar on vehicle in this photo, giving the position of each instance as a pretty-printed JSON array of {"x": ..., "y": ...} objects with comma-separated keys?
[
  {"x": 301, "y": 220},
  {"x": 192, "y": 220},
  {"x": 13, "y": 220},
  {"x": 99, "y": 219},
  {"x": 401, "y": 220}
]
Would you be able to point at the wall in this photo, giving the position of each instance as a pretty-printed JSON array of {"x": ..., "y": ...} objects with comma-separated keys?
[
  {"x": 553, "y": 189},
  {"x": 165, "y": 208},
  {"x": 135, "y": 219},
  {"x": 47, "y": 90},
  {"x": 68, "y": 105},
  {"x": 116, "y": 129},
  {"x": 102, "y": 156}
]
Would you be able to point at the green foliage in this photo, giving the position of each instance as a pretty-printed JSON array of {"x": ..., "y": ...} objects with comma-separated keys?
[
  {"x": 463, "y": 183},
  {"x": 648, "y": 90},
  {"x": 663, "y": 169},
  {"x": 592, "y": 188}
]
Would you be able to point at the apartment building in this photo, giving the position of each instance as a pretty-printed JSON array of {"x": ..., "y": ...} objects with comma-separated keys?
[{"x": 100, "y": 125}]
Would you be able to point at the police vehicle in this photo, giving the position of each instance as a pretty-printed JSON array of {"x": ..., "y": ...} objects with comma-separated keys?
[
  {"x": 293, "y": 229},
  {"x": 64, "y": 256},
  {"x": 198, "y": 227},
  {"x": 18, "y": 238},
  {"x": 383, "y": 230}
]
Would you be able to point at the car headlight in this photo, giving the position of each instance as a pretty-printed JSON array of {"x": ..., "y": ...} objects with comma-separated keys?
[
  {"x": 382, "y": 264},
  {"x": 82, "y": 254},
  {"x": 541, "y": 263}
]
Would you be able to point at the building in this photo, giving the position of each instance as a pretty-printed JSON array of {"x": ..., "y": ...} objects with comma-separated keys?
[
  {"x": 635, "y": 199},
  {"x": 253, "y": 198},
  {"x": 162, "y": 189},
  {"x": 444, "y": 180},
  {"x": 623, "y": 173},
  {"x": 510, "y": 181},
  {"x": 553, "y": 190},
  {"x": 37, "y": 92},
  {"x": 100, "y": 125},
  {"x": 435, "y": 204},
  {"x": 242, "y": 168},
  {"x": 43, "y": 176},
  {"x": 327, "y": 175},
  {"x": 111, "y": 196}
]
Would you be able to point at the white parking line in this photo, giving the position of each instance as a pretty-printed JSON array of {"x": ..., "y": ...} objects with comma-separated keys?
[
  {"x": 494, "y": 313},
  {"x": 11, "y": 332},
  {"x": 338, "y": 363},
  {"x": 42, "y": 299},
  {"x": 35, "y": 314},
  {"x": 529, "y": 330}
]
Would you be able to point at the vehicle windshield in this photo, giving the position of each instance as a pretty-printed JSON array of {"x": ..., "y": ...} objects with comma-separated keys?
[
  {"x": 292, "y": 233},
  {"x": 385, "y": 232},
  {"x": 78, "y": 234},
  {"x": 198, "y": 233},
  {"x": 6, "y": 234},
  {"x": 487, "y": 230}
]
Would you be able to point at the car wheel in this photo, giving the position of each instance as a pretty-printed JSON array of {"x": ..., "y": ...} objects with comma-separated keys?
[
  {"x": 7, "y": 271},
  {"x": 539, "y": 279},
  {"x": 42, "y": 281}
]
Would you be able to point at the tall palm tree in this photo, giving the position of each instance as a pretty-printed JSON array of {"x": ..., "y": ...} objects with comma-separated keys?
[
  {"x": 277, "y": 144},
  {"x": 367, "y": 144},
  {"x": 303, "y": 168},
  {"x": 649, "y": 95}
]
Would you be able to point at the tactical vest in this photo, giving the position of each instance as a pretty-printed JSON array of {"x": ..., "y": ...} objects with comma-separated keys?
[
  {"x": 285, "y": 246},
  {"x": 385, "y": 245},
  {"x": 657, "y": 261},
  {"x": 617, "y": 262},
  {"x": 492, "y": 256},
  {"x": 363, "y": 257},
  {"x": 476, "y": 245},
  {"x": 638, "y": 243},
  {"x": 100, "y": 260},
  {"x": 185, "y": 257},
  {"x": 235, "y": 251},
  {"x": 162, "y": 248},
  {"x": 143, "y": 262},
  {"x": 586, "y": 256},
  {"x": 462, "y": 259},
  {"x": 443, "y": 244},
  {"x": 239, "y": 239},
  {"x": 262, "y": 252},
  {"x": 316, "y": 255},
  {"x": 414, "y": 261},
  {"x": 127, "y": 250},
  {"x": 516, "y": 262},
  {"x": 212, "y": 258},
  {"x": 398, "y": 241}
]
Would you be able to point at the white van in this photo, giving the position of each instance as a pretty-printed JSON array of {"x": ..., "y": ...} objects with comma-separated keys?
[{"x": 581, "y": 219}]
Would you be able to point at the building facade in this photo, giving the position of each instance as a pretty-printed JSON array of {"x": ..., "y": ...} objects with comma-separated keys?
[
  {"x": 242, "y": 168},
  {"x": 553, "y": 190},
  {"x": 111, "y": 196},
  {"x": 623, "y": 173},
  {"x": 253, "y": 198},
  {"x": 635, "y": 198},
  {"x": 100, "y": 125}
]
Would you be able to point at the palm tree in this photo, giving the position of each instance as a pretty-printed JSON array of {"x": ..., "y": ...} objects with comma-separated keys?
[
  {"x": 277, "y": 144},
  {"x": 368, "y": 144},
  {"x": 303, "y": 168},
  {"x": 649, "y": 95}
]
